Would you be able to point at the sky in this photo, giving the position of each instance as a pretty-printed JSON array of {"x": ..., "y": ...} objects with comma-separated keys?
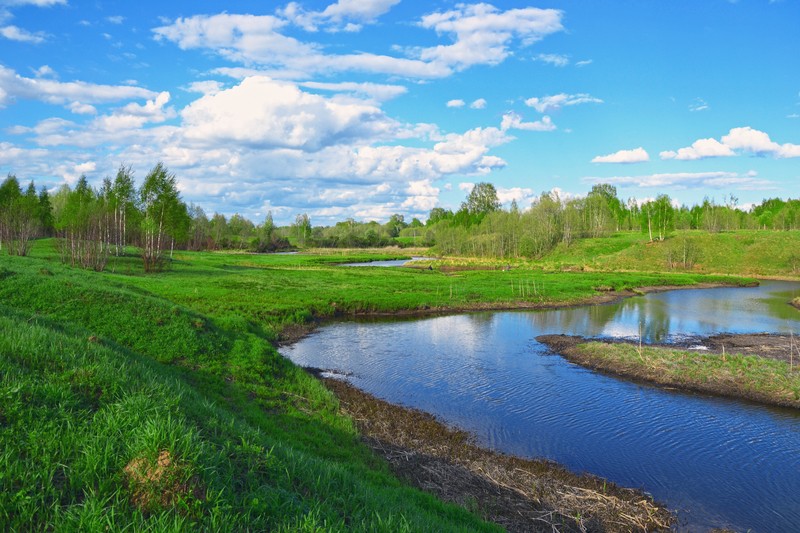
[{"x": 365, "y": 108}]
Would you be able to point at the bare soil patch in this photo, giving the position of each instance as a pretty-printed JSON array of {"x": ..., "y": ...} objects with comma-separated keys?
[{"x": 518, "y": 494}]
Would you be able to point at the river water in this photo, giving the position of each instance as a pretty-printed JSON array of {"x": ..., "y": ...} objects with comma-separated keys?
[{"x": 716, "y": 462}]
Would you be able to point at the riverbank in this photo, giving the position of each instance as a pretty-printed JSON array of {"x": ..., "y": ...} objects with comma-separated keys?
[
  {"x": 761, "y": 368},
  {"x": 518, "y": 494},
  {"x": 293, "y": 332}
]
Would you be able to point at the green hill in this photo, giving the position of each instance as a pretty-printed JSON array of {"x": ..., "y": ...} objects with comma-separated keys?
[{"x": 97, "y": 432}]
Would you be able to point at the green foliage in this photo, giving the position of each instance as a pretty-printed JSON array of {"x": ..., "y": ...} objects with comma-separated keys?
[{"x": 95, "y": 433}]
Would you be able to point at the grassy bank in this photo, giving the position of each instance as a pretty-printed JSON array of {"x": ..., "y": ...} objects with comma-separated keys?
[
  {"x": 159, "y": 402},
  {"x": 762, "y": 379},
  {"x": 121, "y": 409},
  {"x": 744, "y": 252}
]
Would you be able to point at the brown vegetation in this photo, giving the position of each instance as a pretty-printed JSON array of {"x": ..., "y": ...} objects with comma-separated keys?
[
  {"x": 518, "y": 494},
  {"x": 161, "y": 484}
]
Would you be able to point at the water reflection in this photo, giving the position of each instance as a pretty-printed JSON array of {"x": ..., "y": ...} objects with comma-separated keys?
[{"x": 486, "y": 373}]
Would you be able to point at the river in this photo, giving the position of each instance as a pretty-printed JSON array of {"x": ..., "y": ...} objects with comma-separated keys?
[{"x": 717, "y": 462}]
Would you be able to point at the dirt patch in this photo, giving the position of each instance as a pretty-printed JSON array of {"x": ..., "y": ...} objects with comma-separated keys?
[
  {"x": 518, "y": 494},
  {"x": 161, "y": 483},
  {"x": 780, "y": 347}
]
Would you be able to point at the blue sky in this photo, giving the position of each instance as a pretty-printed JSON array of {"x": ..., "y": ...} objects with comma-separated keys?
[{"x": 364, "y": 108}]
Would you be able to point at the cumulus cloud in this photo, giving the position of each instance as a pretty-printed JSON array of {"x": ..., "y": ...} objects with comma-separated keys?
[
  {"x": 684, "y": 180},
  {"x": 257, "y": 39},
  {"x": 744, "y": 139},
  {"x": 13, "y": 33},
  {"x": 512, "y": 121},
  {"x": 481, "y": 34},
  {"x": 480, "y": 103},
  {"x": 13, "y": 86},
  {"x": 456, "y": 103},
  {"x": 759, "y": 143},
  {"x": 637, "y": 155},
  {"x": 265, "y": 113},
  {"x": 699, "y": 149},
  {"x": 546, "y": 104},
  {"x": 522, "y": 195}
]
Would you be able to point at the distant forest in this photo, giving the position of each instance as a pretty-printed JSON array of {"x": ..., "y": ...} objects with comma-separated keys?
[{"x": 90, "y": 225}]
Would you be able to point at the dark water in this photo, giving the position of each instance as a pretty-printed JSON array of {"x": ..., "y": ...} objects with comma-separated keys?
[{"x": 717, "y": 462}]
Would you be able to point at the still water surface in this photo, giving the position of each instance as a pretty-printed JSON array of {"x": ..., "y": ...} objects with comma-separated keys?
[{"x": 717, "y": 462}]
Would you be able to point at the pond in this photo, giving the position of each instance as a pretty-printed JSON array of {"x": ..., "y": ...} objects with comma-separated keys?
[
  {"x": 388, "y": 262},
  {"x": 717, "y": 462}
]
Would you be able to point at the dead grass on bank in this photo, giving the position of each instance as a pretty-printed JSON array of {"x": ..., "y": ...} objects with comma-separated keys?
[{"x": 518, "y": 494}]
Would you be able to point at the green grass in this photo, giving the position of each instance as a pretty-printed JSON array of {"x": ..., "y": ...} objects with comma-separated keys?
[
  {"x": 745, "y": 376},
  {"x": 103, "y": 375},
  {"x": 253, "y": 442},
  {"x": 745, "y": 252}
]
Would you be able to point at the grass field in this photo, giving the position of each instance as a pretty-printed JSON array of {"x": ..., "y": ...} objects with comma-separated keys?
[{"x": 158, "y": 402}]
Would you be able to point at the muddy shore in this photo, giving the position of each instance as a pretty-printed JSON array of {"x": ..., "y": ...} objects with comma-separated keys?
[{"x": 518, "y": 494}]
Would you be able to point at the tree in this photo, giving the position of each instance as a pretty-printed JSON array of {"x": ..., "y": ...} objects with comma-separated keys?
[
  {"x": 658, "y": 217},
  {"x": 302, "y": 228},
  {"x": 161, "y": 207},
  {"x": 123, "y": 204},
  {"x": 481, "y": 200},
  {"x": 19, "y": 216},
  {"x": 438, "y": 214}
]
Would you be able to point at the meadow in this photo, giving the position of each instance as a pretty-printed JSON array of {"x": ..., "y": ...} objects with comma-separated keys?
[{"x": 158, "y": 401}]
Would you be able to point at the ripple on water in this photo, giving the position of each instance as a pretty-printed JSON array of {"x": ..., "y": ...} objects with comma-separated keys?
[{"x": 718, "y": 462}]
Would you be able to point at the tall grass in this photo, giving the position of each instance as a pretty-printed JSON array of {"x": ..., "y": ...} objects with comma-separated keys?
[{"x": 97, "y": 433}]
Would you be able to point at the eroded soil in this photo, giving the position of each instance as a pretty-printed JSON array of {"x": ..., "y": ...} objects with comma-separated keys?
[{"x": 518, "y": 494}]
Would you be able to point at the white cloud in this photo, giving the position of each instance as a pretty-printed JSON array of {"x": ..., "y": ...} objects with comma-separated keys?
[
  {"x": 205, "y": 87},
  {"x": 456, "y": 103},
  {"x": 480, "y": 103},
  {"x": 482, "y": 34},
  {"x": 744, "y": 139},
  {"x": 466, "y": 186},
  {"x": 523, "y": 196},
  {"x": 256, "y": 39},
  {"x": 13, "y": 86},
  {"x": 82, "y": 109},
  {"x": 759, "y": 143},
  {"x": 37, "y": 3},
  {"x": 698, "y": 105},
  {"x": 555, "y": 102},
  {"x": 260, "y": 112},
  {"x": 45, "y": 71},
  {"x": 700, "y": 149},
  {"x": 375, "y": 91},
  {"x": 116, "y": 19},
  {"x": 637, "y": 155},
  {"x": 13, "y": 33},
  {"x": 422, "y": 196},
  {"x": 339, "y": 16},
  {"x": 684, "y": 180},
  {"x": 583, "y": 63},
  {"x": 557, "y": 60},
  {"x": 513, "y": 121}
]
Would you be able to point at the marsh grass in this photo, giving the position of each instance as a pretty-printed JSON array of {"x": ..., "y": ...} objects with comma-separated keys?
[{"x": 732, "y": 374}]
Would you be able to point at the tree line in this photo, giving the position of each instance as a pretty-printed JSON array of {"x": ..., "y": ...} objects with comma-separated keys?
[
  {"x": 91, "y": 225},
  {"x": 482, "y": 228}
]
